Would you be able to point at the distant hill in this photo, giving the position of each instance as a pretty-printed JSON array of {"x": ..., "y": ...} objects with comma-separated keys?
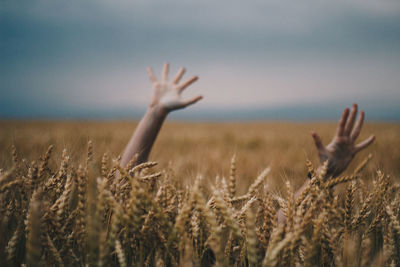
[{"x": 293, "y": 113}]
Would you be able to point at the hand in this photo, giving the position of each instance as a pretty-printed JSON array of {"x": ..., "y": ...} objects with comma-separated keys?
[
  {"x": 167, "y": 95},
  {"x": 342, "y": 148}
]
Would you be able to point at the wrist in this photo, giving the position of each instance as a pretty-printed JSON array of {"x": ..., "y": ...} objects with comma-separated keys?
[
  {"x": 330, "y": 172},
  {"x": 157, "y": 111}
]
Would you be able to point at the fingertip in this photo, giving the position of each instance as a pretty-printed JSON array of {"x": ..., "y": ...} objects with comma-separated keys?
[
  {"x": 371, "y": 139},
  {"x": 197, "y": 98},
  {"x": 193, "y": 100},
  {"x": 362, "y": 113},
  {"x": 355, "y": 108},
  {"x": 192, "y": 80},
  {"x": 316, "y": 137}
]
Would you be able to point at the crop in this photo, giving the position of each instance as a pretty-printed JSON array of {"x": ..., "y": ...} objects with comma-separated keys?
[{"x": 98, "y": 214}]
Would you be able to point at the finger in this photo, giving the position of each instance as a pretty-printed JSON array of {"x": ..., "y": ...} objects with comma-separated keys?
[
  {"x": 165, "y": 72},
  {"x": 350, "y": 121},
  {"x": 178, "y": 76},
  {"x": 342, "y": 122},
  {"x": 364, "y": 143},
  {"x": 152, "y": 77},
  {"x": 187, "y": 83},
  {"x": 357, "y": 128},
  {"x": 192, "y": 101},
  {"x": 318, "y": 142}
]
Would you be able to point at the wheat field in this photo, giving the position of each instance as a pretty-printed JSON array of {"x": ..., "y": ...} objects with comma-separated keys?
[{"x": 208, "y": 196}]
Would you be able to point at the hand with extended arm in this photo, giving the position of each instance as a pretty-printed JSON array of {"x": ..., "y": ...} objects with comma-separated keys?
[
  {"x": 166, "y": 97},
  {"x": 341, "y": 150}
]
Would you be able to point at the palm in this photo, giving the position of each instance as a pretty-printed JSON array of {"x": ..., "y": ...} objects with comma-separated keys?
[
  {"x": 167, "y": 95},
  {"x": 342, "y": 148}
]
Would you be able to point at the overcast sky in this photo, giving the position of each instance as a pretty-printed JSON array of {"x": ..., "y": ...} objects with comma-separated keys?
[{"x": 87, "y": 58}]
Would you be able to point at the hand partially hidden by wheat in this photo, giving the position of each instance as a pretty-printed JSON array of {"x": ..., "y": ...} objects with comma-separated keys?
[
  {"x": 69, "y": 217},
  {"x": 167, "y": 94},
  {"x": 342, "y": 149}
]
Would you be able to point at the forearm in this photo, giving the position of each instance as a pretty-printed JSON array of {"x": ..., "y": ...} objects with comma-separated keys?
[
  {"x": 329, "y": 173},
  {"x": 280, "y": 215},
  {"x": 144, "y": 136},
  {"x": 340, "y": 152},
  {"x": 166, "y": 97}
]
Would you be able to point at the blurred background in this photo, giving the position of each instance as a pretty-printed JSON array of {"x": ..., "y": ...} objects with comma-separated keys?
[
  {"x": 281, "y": 59},
  {"x": 270, "y": 72}
]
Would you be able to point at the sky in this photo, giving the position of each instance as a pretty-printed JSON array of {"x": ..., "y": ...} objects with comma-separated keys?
[{"x": 256, "y": 59}]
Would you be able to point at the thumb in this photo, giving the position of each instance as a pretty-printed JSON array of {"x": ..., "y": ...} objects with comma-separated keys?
[
  {"x": 191, "y": 101},
  {"x": 318, "y": 141}
]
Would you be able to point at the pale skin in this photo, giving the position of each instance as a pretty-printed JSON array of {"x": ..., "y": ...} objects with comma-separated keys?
[
  {"x": 341, "y": 150},
  {"x": 167, "y": 97}
]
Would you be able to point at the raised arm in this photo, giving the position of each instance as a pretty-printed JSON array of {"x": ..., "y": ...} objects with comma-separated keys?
[
  {"x": 341, "y": 150},
  {"x": 166, "y": 97}
]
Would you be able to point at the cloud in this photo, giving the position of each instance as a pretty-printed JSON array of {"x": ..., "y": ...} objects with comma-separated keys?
[{"x": 93, "y": 53}]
